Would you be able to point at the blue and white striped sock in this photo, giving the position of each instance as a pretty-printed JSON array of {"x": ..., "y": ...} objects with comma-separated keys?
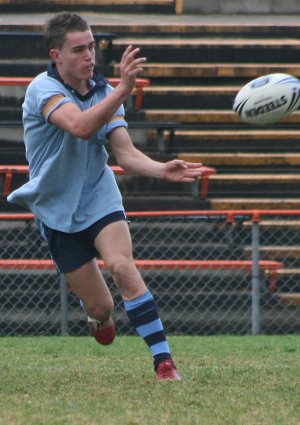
[{"x": 143, "y": 314}]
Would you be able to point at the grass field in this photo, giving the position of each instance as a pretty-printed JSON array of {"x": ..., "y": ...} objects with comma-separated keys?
[{"x": 226, "y": 381}]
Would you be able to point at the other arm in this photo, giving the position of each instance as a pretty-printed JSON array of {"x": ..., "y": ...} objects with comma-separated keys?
[{"x": 135, "y": 162}]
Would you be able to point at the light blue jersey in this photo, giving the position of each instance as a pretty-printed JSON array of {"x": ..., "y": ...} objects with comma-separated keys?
[{"x": 70, "y": 186}]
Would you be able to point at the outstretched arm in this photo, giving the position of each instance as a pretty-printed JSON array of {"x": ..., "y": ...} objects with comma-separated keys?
[{"x": 136, "y": 162}]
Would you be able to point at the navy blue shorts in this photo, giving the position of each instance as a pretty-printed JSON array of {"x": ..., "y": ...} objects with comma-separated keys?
[{"x": 72, "y": 250}]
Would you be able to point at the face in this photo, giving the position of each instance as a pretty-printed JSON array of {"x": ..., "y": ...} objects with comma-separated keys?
[{"x": 76, "y": 59}]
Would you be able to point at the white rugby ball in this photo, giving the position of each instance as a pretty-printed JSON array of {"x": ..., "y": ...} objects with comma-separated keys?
[{"x": 268, "y": 99}]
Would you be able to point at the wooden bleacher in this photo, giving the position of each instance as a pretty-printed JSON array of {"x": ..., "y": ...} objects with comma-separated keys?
[
  {"x": 200, "y": 93},
  {"x": 194, "y": 71},
  {"x": 276, "y": 252},
  {"x": 238, "y": 159},
  {"x": 214, "y": 70},
  {"x": 195, "y": 68},
  {"x": 138, "y": 6},
  {"x": 204, "y": 116},
  {"x": 254, "y": 203}
]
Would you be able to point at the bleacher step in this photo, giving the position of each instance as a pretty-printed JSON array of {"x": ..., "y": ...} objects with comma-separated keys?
[
  {"x": 136, "y": 6},
  {"x": 270, "y": 140},
  {"x": 215, "y": 70},
  {"x": 186, "y": 24},
  {"x": 190, "y": 96},
  {"x": 290, "y": 298},
  {"x": 204, "y": 116},
  {"x": 260, "y": 203},
  {"x": 243, "y": 159},
  {"x": 254, "y": 184},
  {"x": 214, "y": 49}
]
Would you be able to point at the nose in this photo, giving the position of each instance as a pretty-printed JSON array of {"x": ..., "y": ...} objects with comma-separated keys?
[{"x": 89, "y": 54}]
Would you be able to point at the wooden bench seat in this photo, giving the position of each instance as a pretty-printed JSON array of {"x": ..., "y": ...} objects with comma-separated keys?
[
  {"x": 190, "y": 96},
  {"x": 212, "y": 49},
  {"x": 204, "y": 116},
  {"x": 197, "y": 25},
  {"x": 194, "y": 132},
  {"x": 251, "y": 184},
  {"x": 275, "y": 224},
  {"x": 232, "y": 135},
  {"x": 192, "y": 90},
  {"x": 213, "y": 70},
  {"x": 259, "y": 203},
  {"x": 112, "y": 2},
  {"x": 255, "y": 178},
  {"x": 285, "y": 273},
  {"x": 192, "y": 138},
  {"x": 105, "y": 5},
  {"x": 243, "y": 159},
  {"x": 276, "y": 253},
  {"x": 289, "y": 272},
  {"x": 192, "y": 42},
  {"x": 289, "y": 298},
  {"x": 188, "y": 24}
]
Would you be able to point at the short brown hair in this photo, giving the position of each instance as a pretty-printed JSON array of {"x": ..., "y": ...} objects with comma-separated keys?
[{"x": 56, "y": 28}]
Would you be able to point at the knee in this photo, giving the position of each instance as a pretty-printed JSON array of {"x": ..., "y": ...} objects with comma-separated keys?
[
  {"x": 99, "y": 311},
  {"x": 127, "y": 278},
  {"x": 121, "y": 268}
]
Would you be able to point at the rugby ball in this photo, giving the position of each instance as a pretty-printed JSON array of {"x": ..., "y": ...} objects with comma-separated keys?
[{"x": 268, "y": 99}]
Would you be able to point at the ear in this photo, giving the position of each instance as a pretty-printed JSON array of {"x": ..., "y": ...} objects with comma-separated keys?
[{"x": 55, "y": 56}]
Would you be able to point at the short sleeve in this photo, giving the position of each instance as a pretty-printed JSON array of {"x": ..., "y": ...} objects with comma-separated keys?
[
  {"x": 118, "y": 119},
  {"x": 44, "y": 91}
]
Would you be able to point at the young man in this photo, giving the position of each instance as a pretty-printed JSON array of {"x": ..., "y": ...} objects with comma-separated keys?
[{"x": 68, "y": 114}]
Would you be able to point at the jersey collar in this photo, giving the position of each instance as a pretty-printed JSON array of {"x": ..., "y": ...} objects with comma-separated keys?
[{"x": 98, "y": 82}]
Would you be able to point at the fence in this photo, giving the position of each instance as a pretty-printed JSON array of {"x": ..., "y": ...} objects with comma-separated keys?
[{"x": 211, "y": 272}]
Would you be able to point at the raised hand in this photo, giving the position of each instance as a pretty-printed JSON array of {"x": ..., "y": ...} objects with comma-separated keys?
[{"x": 130, "y": 67}]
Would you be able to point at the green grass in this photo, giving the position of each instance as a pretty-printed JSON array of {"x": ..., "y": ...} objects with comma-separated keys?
[{"x": 226, "y": 380}]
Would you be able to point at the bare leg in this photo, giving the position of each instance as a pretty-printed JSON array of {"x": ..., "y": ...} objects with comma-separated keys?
[
  {"x": 88, "y": 284},
  {"x": 115, "y": 247}
]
